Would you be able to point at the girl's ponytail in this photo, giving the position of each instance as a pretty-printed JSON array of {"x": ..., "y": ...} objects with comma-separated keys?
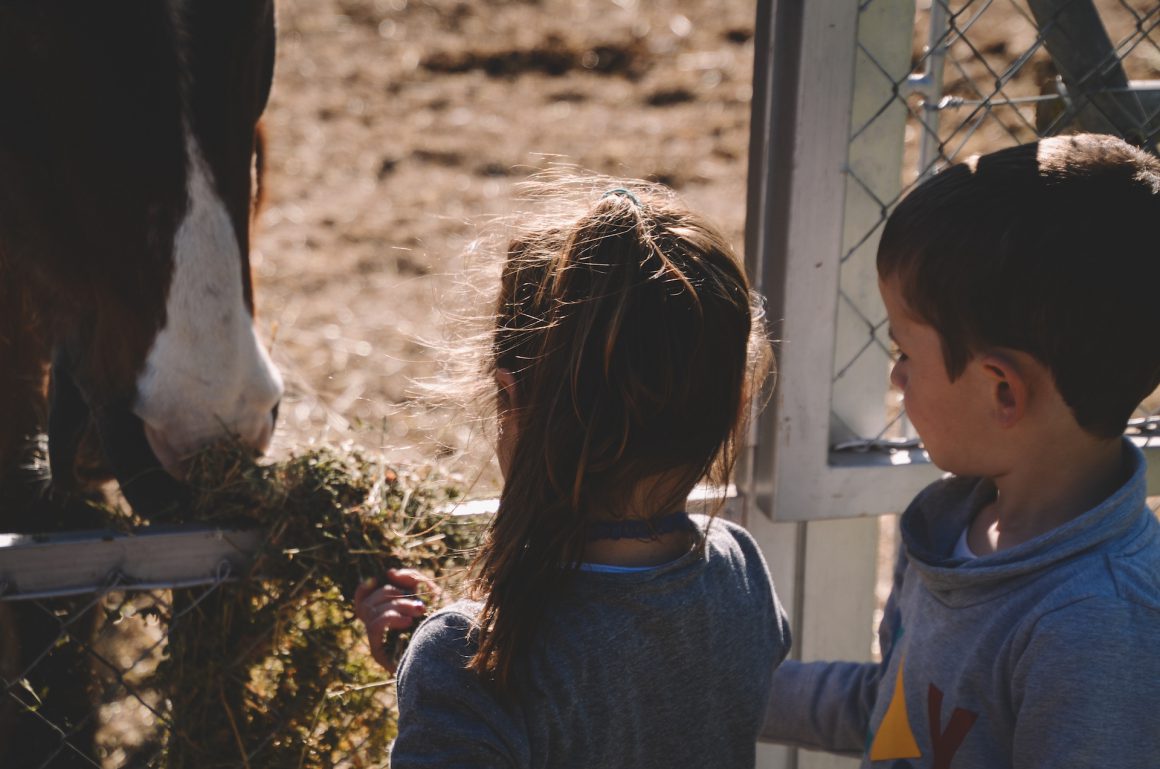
[{"x": 627, "y": 334}]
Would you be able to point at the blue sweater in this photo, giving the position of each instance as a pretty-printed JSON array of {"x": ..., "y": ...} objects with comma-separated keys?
[
  {"x": 649, "y": 670},
  {"x": 1043, "y": 655}
]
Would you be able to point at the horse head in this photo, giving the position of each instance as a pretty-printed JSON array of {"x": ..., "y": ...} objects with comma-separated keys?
[{"x": 127, "y": 147}]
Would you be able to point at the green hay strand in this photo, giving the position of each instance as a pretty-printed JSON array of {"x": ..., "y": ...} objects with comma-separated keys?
[{"x": 272, "y": 670}]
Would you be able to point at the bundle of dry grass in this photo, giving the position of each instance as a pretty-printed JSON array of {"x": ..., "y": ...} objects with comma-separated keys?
[{"x": 271, "y": 670}]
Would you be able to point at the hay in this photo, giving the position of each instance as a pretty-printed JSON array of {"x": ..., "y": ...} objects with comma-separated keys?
[{"x": 271, "y": 670}]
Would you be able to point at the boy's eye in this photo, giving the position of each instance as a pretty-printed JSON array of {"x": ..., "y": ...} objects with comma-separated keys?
[{"x": 897, "y": 354}]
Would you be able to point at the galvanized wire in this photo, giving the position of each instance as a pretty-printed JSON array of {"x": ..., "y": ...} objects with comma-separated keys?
[{"x": 966, "y": 94}]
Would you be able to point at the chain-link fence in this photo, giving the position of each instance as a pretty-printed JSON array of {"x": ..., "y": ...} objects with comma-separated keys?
[
  {"x": 193, "y": 645},
  {"x": 235, "y": 672},
  {"x": 181, "y": 679},
  {"x": 79, "y": 679},
  {"x": 977, "y": 76}
]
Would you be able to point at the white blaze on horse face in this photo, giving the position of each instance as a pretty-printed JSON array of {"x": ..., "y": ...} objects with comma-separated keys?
[{"x": 207, "y": 375}]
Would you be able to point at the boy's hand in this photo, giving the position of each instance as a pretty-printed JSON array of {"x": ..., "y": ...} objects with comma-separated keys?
[{"x": 393, "y": 606}]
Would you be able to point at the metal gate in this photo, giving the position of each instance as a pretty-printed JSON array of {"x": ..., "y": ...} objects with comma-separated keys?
[{"x": 854, "y": 103}]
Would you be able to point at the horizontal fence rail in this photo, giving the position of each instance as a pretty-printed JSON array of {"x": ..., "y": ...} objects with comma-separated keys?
[
  {"x": 155, "y": 558},
  {"x": 75, "y": 563}
]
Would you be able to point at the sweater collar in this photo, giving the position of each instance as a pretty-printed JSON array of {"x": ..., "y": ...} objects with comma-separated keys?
[{"x": 933, "y": 522}]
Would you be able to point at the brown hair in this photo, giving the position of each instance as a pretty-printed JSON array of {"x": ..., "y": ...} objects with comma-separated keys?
[
  {"x": 1036, "y": 248},
  {"x": 631, "y": 333}
]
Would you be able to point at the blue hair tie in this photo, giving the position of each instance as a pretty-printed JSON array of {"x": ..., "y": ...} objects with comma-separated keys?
[{"x": 622, "y": 191}]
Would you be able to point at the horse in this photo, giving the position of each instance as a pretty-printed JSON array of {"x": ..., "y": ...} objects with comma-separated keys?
[{"x": 127, "y": 161}]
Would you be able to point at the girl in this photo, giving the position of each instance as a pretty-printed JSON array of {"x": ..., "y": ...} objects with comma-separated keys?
[{"x": 607, "y": 627}]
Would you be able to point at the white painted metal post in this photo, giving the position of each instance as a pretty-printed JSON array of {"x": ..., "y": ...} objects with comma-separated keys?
[{"x": 813, "y": 88}]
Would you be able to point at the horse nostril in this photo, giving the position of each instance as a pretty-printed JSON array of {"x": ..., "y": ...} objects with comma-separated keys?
[{"x": 274, "y": 412}]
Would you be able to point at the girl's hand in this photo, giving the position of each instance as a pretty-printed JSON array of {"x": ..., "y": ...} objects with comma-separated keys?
[{"x": 393, "y": 606}]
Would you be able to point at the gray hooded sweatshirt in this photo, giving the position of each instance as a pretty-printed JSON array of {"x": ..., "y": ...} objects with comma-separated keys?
[
  {"x": 1043, "y": 655},
  {"x": 650, "y": 670}
]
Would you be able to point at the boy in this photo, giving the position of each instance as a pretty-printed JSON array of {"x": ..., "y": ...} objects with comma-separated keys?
[{"x": 1023, "y": 628}]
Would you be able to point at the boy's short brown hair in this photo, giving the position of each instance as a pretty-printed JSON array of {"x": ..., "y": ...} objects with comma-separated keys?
[{"x": 1051, "y": 248}]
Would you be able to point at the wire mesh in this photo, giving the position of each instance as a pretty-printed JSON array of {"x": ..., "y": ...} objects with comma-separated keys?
[
  {"x": 121, "y": 678},
  {"x": 188, "y": 645},
  {"x": 974, "y": 76},
  {"x": 77, "y": 680}
]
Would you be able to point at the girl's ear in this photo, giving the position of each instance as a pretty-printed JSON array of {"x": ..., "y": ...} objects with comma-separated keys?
[
  {"x": 505, "y": 382},
  {"x": 1009, "y": 387},
  {"x": 507, "y": 423}
]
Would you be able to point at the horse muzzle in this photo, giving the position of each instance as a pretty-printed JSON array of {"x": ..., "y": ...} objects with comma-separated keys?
[
  {"x": 256, "y": 434},
  {"x": 124, "y": 449}
]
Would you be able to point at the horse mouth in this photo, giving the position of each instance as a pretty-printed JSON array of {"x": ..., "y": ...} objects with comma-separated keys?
[
  {"x": 151, "y": 466},
  {"x": 150, "y": 488},
  {"x": 176, "y": 460},
  {"x": 170, "y": 458}
]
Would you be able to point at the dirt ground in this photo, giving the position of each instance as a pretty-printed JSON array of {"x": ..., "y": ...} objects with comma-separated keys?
[{"x": 396, "y": 127}]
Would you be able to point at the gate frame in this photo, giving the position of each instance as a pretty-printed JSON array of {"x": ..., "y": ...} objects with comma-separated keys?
[{"x": 815, "y": 512}]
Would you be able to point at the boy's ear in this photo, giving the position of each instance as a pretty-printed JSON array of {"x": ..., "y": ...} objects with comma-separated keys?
[{"x": 1009, "y": 388}]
